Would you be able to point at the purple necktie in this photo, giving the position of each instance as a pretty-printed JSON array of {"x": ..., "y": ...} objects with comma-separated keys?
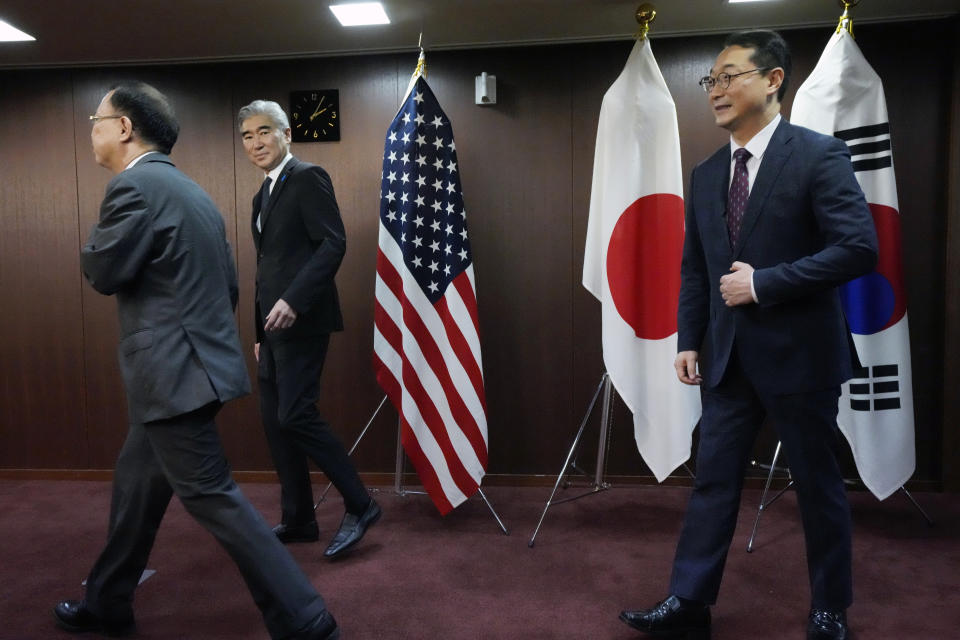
[{"x": 737, "y": 198}]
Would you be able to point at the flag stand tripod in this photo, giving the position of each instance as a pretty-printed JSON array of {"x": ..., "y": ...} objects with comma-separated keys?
[
  {"x": 398, "y": 471},
  {"x": 603, "y": 446},
  {"x": 764, "y": 503}
]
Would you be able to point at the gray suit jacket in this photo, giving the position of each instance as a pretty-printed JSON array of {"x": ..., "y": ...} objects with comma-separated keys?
[{"x": 160, "y": 247}]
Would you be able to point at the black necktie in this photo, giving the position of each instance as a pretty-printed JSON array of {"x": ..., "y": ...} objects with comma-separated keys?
[
  {"x": 739, "y": 192},
  {"x": 263, "y": 198}
]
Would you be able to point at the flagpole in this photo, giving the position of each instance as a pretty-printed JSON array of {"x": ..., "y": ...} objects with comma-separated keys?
[{"x": 418, "y": 71}]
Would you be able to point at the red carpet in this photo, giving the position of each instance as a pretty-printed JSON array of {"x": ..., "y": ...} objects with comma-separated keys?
[{"x": 420, "y": 576}]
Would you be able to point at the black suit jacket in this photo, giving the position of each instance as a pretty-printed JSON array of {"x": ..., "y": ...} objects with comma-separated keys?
[
  {"x": 160, "y": 247},
  {"x": 300, "y": 245},
  {"x": 806, "y": 230}
]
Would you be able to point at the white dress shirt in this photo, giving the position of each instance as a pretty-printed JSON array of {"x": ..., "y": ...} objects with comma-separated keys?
[{"x": 138, "y": 158}]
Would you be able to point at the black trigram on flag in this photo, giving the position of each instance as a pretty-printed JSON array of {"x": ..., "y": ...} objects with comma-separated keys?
[
  {"x": 870, "y": 382},
  {"x": 869, "y": 146}
]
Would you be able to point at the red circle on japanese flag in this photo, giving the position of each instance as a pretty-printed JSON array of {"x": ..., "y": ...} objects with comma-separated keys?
[{"x": 643, "y": 264}]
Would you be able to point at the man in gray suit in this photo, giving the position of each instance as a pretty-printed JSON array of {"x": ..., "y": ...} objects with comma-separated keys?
[{"x": 160, "y": 247}]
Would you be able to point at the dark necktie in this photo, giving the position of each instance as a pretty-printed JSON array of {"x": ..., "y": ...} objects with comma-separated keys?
[
  {"x": 739, "y": 192},
  {"x": 263, "y": 198}
]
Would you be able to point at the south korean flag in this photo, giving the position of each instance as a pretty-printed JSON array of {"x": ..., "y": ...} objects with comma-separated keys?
[{"x": 844, "y": 97}]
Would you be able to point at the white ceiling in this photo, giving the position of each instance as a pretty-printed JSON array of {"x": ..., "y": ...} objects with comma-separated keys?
[{"x": 100, "y": 32}]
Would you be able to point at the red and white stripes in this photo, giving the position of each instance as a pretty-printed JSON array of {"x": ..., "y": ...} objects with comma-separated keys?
[{"x": 427, "y": 359}]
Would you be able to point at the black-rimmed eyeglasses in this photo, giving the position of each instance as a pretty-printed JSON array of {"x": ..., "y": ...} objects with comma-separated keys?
[
  {"x": 96, "y": 118},
  {"x": 723, "y": 79}
]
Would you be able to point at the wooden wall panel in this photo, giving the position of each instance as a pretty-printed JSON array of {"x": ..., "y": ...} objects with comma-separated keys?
[
  {"x": 526, "y": 166},
  {"x": 105, "y": 418},
  {"x": 950, "y": 454},
  {"x": 515, "y": 167},
  {"x": 41, "y": 375}
]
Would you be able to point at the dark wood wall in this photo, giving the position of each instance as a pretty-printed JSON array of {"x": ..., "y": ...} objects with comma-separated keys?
[
  {"x": 526, "y": 168},
  {"x": 951, "y": 364}
]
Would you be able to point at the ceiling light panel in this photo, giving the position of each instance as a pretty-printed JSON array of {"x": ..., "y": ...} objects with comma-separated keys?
[
  {"x": 9, "y": 33},
  {"x": 358, "y": 14}
]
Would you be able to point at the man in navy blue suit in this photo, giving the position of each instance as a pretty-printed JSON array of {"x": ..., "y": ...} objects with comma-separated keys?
[{"x": 775, "y": 223}]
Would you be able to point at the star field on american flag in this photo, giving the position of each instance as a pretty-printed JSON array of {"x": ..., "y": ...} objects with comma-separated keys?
[{"x": 421, "y": 203}]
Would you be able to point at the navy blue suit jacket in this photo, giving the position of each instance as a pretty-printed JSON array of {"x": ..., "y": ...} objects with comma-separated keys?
[{"x": 806, "y": 230}]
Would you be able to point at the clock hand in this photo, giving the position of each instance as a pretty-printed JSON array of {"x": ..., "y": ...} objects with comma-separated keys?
[{"x": 318, "y": 112}]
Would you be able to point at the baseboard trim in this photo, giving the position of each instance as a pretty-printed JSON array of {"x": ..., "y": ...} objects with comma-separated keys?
[{"x": 410, "y": 480}]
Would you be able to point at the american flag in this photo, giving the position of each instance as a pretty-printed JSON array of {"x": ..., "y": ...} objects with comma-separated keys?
[{"x": 426, "y": 335}]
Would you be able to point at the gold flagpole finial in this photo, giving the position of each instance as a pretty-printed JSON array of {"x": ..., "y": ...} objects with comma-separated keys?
[
  {"x": 646, "y": 13},
  {"x": 846, "y": 22},
  {"x": 421, "y": 69}
]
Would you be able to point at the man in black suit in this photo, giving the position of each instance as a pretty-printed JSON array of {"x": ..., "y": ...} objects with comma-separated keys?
[
  {"x": 760, "y": 315},
  {"x": 300, "y": 243},
  {"x": 160, "y": 247}
]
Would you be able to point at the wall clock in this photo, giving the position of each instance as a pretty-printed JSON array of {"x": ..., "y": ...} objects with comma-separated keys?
[{"x": 315, "y": 115}]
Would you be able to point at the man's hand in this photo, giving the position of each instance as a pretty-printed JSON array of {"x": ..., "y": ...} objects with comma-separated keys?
[
  {"x": 282, "y": 316},
  {"x": 256, "y": 351},
  {"x": 735, "y": 286},
  {"x": 686, "y": 366}
]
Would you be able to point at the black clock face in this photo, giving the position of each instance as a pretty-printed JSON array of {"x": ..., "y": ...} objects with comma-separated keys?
[{"x": 315, "y": 115}]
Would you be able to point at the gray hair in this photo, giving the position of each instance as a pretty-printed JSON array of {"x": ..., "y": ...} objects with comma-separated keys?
[{"x": 269, "y": 108}]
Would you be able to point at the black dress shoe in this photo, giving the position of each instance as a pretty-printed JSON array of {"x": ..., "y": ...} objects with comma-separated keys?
[
  {"x": 672, "y": 619},
  {"x": 323, "y": 627},
  {"x": 309, "y": 532},
  {"x": 74, "y": 616},
  {"x": 352, "y": 528},
  {"x": 827, "y": 625}
]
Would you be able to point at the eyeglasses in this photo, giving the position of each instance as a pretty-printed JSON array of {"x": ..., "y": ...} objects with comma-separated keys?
[
  {"x": 96, "y": 118},
  {"x": 723, "y": 79}
]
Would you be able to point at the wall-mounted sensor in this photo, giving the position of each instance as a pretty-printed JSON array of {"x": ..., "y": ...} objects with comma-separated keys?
[{"x": 486, "y": 88}]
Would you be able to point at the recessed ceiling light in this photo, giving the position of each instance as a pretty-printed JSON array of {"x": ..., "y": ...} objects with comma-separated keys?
[
  {"x": 358, "y": 14},
  {"x": 10, "y": 33}
]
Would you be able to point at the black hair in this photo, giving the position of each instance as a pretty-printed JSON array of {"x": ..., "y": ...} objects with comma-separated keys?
[
  {"x": 770, "y": 50},
  {"x": 150, "y": 112}
]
